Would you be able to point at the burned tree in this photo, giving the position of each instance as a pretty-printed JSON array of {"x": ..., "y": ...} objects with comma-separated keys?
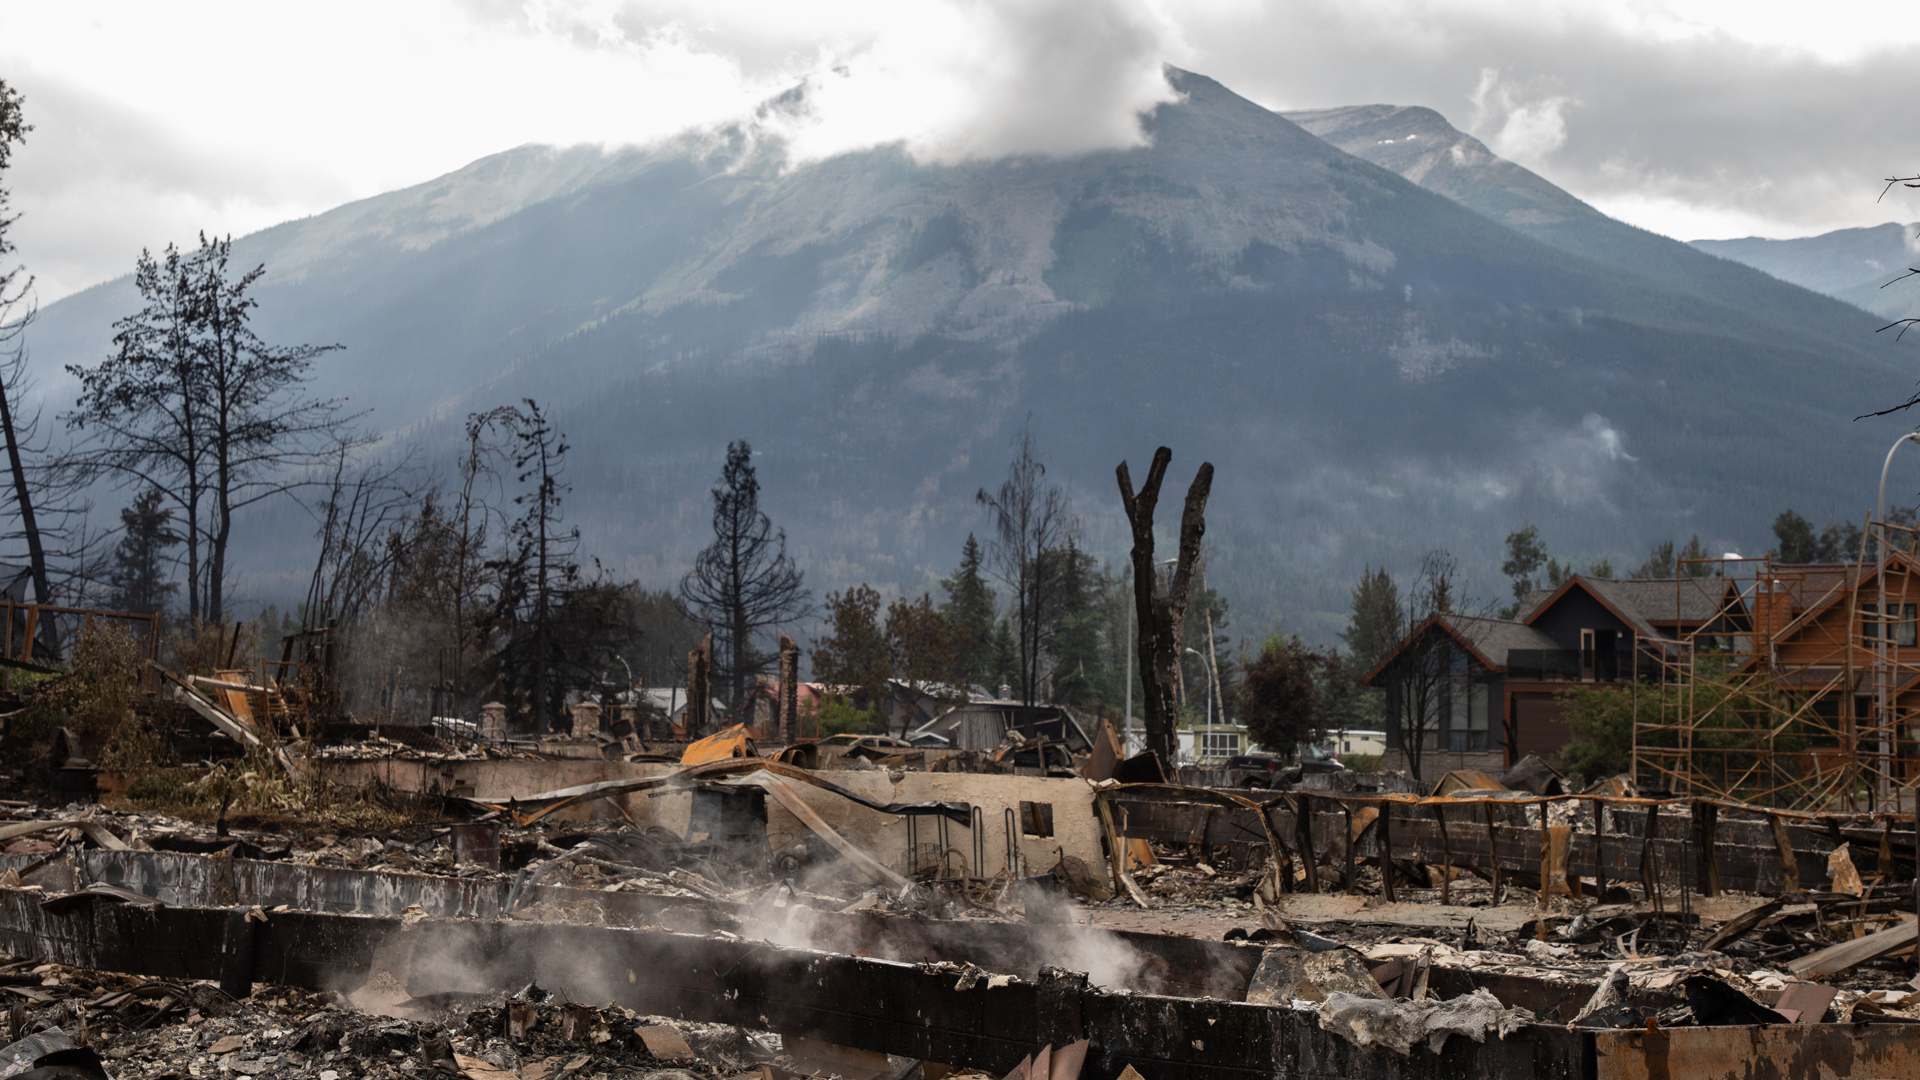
[
  {"x": 1162, "y": 615},
  {"x": 48, "y": 508},
  {"x": 194, "y": 405},
  {"x": 1033, "y": 522},
  {"x": 550, "y": 620},
  {"x": 1421, "y": 674},
  {"x": 744, "y": 582}
]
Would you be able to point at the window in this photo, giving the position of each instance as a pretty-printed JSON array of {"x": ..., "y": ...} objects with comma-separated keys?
[
  {"x": 1906, "y": 628},
  {"x": 1467, "y": 716},
  {"x": 1219, "y": 743},
  {"x": 1036, "y": 818}
]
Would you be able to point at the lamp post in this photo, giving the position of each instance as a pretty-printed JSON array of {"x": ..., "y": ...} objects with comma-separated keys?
[
  {"x": 1213, "y": 684},
  {"x": 1882, "y": 671}
]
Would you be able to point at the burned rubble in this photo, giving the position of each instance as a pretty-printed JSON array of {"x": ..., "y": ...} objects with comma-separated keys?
[{"x": 403, "y": 906}]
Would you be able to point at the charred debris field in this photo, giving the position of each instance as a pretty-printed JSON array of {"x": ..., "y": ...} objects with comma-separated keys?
[{"x": 389, "y": 906}]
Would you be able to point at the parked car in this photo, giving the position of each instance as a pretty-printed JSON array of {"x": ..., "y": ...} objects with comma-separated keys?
[
  {"x": 1254, "y": 770},
  {"x": 866, "y": 746},
  {"x": 1266, "y": 770}
]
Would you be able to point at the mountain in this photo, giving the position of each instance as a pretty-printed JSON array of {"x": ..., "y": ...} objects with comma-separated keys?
[
  {"x": 1376, "y": 367},
  {"x": 1420, "y": 145},
  {"x": 1855, "y": 265}
]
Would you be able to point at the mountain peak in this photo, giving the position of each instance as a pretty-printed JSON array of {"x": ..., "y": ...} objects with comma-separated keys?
[{"x": 1419, "y": 144}]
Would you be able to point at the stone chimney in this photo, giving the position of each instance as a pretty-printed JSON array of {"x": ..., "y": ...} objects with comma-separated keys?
[
  {"x": 586, "y": 722},
  {"x": 493, "y": 721}
]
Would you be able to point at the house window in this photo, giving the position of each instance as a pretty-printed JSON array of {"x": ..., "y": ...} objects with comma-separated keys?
[
  {"x": 1906, "y": 628},
  {"x": 1219, "y": 743},
  {"x": 1467, "y": 727},
  {"x": 1036, "y": 818}
]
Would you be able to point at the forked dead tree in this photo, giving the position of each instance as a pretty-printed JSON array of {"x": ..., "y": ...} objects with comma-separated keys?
[{"x": 1162, "y": 614}]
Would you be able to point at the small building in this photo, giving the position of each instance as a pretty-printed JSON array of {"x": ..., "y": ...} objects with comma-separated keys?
[
  {"x": 1210, "y": 745},
  {"x": 1345, "y": 741}
]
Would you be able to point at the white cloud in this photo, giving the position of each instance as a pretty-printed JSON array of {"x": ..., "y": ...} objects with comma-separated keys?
[
  {"x": 1522, "y": 128},
  {"x": 1684, "y": 115}
]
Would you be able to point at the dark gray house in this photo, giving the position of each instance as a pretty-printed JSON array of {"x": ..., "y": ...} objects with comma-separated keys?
[{"x": 1483, "y": 693}]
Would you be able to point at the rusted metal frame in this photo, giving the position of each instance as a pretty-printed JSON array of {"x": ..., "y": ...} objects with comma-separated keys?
[
  {"x": 1771, "y": 1052},
  {"x": 1386, "y": 849},
  {"x": 1789, "y": 860},
  {"x": 1493, "y": 857},
  {"x": 1742, "y": 867},
  {"x": 1446, "y": 856},
  {"x": 548, "y": 802},
  {"x": 1546, "y": 861},
  {"x": 1706, "y": 816},
  {"x": 1303, "y": 838},
  {"x": 1599, "y": 851},
  {"x": 1650, "y": 870},
  {"x": 1347, "y": 842},
  {"x": 1116, "y": 857},
  {"x": 1176, "y": 793}
]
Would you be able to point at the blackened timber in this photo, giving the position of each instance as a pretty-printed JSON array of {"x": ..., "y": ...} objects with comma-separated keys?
[{"x": 913, "y": 1010}]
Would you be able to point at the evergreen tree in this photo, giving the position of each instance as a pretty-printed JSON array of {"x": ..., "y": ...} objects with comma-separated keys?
[
  {"x": 1696, "y": 550},
  {"x": 139, "y": 575},
  {"x": 1525, "y": 554},
  {"x": 1377, "y": 624},
  {"x": 969, "y": 615},
  {"x": 1797, "y": 541},
  {"x": 1659, "y": 564},
  {"x": 1005, "y": 663},
  {"x": 854, "y": 657},
  {"x": 1073, "y": 644}
]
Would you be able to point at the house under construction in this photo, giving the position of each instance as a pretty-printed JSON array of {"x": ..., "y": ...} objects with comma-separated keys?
[{"x": 1802, "y": 693}]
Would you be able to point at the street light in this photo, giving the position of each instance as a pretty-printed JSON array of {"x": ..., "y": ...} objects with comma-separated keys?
[
  {"x": 1213, "y": 681},
  {"x": 1883, "y": 673}
]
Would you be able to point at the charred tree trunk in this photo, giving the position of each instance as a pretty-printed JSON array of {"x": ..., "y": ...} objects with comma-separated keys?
[
  {"x": 699, "y": 687},
  {"x": 23, "y": 498},
  {"x": 789, "y": 690},
  {"x": 1162, "y": 617}
]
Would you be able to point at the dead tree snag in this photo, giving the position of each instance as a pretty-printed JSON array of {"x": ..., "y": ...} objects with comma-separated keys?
[{"x": 1162, "y": 615}]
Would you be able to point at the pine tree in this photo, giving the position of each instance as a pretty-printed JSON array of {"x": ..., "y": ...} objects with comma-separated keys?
[
  {"x": 1005, "y": 663},
  {"x": 1376, "y": 624},
  {"x": 139, "y": 574},
  {"x": 969, "y": 614}
]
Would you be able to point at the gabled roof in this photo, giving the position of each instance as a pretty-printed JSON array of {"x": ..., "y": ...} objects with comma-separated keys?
[
  {"x": 1815, "y": 588},
  {"x": 1666, "y": 601},
  {"x": 1488, "y": 641},
  {"x": 1493, "y": 639},
  {"x": 1616, "y": 601}
]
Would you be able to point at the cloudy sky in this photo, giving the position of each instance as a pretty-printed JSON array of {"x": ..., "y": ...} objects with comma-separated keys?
[{"x": 1696, "y": 118}]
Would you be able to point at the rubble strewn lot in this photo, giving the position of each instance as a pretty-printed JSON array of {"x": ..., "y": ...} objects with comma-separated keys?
[
  {"x": 398, "y": 907},
  {"x": 1621, "y": 965}
]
